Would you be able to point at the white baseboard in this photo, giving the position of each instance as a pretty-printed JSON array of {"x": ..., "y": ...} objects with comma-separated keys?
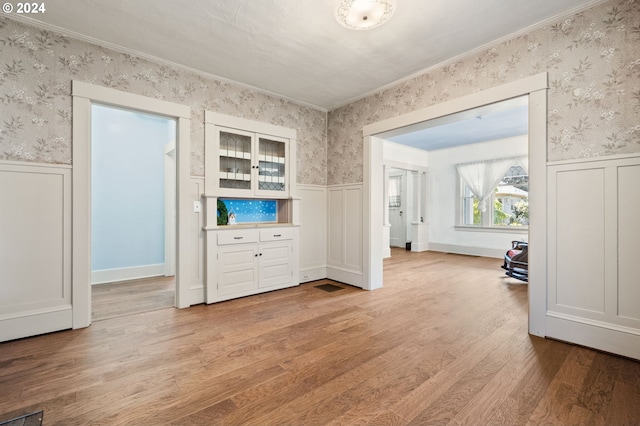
[
  {"x": 590, "y": 335},
  {"x": 468, "y": 250},
  {"x": 313, "y": 274},
  {"x": 250, "y": 292},
  {"x": 102, "y": 276},
  {"x": 344, "y": 276},
  {"x": 33, "y": 323},
  {"x": 386, "y": 252},
  {"x": 197, "y": 295},
  {"x": 421, "y": 246}
]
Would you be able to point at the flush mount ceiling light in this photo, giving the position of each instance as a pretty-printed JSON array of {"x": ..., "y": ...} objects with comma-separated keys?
[{"x": 364, "y": 14}]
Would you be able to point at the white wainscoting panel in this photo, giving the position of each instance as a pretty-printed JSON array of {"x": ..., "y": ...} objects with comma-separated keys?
[
  {"x": 313, "y": 232},
  {"x": 628, "y": 242},
  {"x": 593, "y": 282},
  {"x": 580, "y": 201},
  {"x": 335, "y": 224},
  {"x": 35, "y": 249},
  {"x": 353, "y": 228},
  {"x": 195, "y": 242},
  {"x": 344, "y": 258}
]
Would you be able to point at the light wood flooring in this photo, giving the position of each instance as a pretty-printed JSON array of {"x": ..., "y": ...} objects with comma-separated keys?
[
  {"x": 444, "y": 342},
  {"x": 114, "y": 300}
]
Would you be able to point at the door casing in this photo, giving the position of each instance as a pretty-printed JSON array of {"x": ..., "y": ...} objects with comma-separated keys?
[
  {"x": 83, "y": 96},
  {"x": 535, "y": 87}
]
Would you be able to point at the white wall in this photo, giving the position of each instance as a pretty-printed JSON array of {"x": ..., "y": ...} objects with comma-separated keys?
[
  {"x": 400, "y": 155},
  {"x": 442, "y": 192},
  {"x": 128, "y": 193}
]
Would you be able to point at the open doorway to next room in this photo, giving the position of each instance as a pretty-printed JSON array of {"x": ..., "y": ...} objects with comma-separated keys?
[
  {"x": 474, "y": 200},
  {"x": 133, "y": 211}
]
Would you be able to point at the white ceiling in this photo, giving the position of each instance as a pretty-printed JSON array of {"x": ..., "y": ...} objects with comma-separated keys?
[
  {"x": 295, "y": 48},
  {"x": 492, "y": 122}
]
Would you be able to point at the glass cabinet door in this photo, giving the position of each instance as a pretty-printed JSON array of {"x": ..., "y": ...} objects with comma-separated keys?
[
  {"x": 271, "y": 164},
  {"x": 235, "y": 159}
]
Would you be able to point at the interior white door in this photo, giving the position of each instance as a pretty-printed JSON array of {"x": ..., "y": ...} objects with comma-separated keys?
[{"x": 397, "y": 213}]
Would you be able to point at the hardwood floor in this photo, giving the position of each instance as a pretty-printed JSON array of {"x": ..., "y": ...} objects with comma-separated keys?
[
  {"x": 132, "y": 297},
  {"x": 444, "y": 342}
]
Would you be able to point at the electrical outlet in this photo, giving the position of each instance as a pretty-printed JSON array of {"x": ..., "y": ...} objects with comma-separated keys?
[{"x": 197, "y": 206}]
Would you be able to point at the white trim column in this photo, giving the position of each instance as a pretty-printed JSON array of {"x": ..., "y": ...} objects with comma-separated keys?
[{"x": 386, "y": 226}]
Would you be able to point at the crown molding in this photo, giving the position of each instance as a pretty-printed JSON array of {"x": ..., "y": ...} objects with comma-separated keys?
[
  {"x": 121, "y": 49},
  {"x": 71, "y": 34},
  {"x": 475, "y": 51}
]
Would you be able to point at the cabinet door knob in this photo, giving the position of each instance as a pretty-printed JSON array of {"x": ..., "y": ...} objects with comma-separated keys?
[{"x": 260, "y": 254}]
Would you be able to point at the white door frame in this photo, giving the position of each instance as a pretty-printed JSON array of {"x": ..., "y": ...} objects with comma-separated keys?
[
  {"x": 170, "y": 209},
  {"x": 83, "y": 95},
  {"x": 402, "y": 211},
  {"x": 373, "y": 178}
]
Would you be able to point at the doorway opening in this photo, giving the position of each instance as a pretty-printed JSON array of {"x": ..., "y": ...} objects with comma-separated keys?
[
  {"x": 477, "y": 161},
  {"x": 535, "y": 88},
  {"x": 84, "y": 95},
  {"x": 133, "y": 211},
  {"x": 398, "y": 208}
]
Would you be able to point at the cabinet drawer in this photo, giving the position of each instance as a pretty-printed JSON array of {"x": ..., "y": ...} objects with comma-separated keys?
[
  {"x": 240, "y": 236},
  {"x": 276, "y": 234}
]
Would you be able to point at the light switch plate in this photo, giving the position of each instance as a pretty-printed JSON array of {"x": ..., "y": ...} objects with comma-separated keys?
[{"x": 197, "y": 206}]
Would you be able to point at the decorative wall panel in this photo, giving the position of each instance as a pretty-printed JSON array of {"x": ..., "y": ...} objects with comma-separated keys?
[{"x": 35, "y": 247}]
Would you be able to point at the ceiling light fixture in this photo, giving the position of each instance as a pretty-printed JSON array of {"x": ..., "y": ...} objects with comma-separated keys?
[{"x": 364, "y": 14}]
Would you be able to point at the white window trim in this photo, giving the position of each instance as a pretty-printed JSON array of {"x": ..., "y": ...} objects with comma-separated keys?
[{"x": 501, "y": 229}]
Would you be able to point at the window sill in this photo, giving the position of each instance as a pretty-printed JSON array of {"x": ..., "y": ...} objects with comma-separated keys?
[{"x": 499, "y": 229}]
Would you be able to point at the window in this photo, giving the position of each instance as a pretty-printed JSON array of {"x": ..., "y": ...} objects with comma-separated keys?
[
  {"x": 506, "y": 206},
  {"x": 395, "y": 191}
]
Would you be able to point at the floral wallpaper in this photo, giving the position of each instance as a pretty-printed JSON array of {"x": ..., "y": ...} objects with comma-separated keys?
[
  {"x": 36, "y": 69},
  {"x": 593, "y": 61}
]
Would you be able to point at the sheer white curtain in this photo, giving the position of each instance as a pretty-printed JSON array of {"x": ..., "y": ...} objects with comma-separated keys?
[
  {"x": 524, "y": 162},
  {"x": 395, "y": 191},
  {"x": 482, "y": 177}
]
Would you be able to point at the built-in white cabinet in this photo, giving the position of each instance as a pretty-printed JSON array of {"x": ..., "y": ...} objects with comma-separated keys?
[
  {"x": 250, "y": 261},
  {"x": 249, "y": 163}
]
